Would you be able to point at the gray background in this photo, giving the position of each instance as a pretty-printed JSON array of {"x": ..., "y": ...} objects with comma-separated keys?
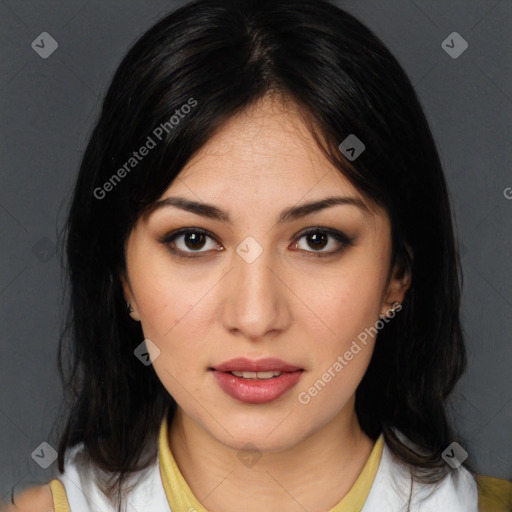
[{"x": 47, "y": 110}]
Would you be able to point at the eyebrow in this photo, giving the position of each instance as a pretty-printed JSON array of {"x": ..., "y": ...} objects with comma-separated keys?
[{"x": 289, "y": 214}]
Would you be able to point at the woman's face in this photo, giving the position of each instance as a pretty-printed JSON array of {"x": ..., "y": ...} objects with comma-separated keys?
[{"x": 254, "y": 283}]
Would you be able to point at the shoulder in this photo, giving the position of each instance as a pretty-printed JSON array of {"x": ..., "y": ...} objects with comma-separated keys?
[
  {"x": 394, "y": 489},
  {"x": 84, "y": 485},
  {"x": 458, "y": 491},
  {"x": 35, "y": 499}
]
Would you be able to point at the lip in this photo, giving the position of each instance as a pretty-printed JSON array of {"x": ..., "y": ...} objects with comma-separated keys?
[
  {"x": 267, "y": 364},
  {"x": 254, "y": 391}
]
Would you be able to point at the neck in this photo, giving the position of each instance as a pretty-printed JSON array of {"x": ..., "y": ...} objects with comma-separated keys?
[{"x": 282, "y": 480}]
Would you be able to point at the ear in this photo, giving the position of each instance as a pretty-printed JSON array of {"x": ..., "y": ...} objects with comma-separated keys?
[
  {"x": 398, "y": 284},
  {"x": 131, "y": 304}
]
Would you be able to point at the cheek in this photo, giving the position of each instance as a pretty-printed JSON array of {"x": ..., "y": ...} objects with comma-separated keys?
[
  {"x": 349, "y": 308},
  {"x": 346, "y": 303},
  {"x": 172, "y": 321},
  {"x": 166, "y": 293},
  {"x": 175, "y": 316}
]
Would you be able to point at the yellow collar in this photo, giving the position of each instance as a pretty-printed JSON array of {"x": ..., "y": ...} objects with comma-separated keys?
[{"x": 181, "y": 498}]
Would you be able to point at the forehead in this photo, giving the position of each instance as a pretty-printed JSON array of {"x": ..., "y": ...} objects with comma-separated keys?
[{"x": 265, "y": 146}]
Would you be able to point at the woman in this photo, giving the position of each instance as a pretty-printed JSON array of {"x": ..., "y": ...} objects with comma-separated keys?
[{"x": 264, "y": 277}]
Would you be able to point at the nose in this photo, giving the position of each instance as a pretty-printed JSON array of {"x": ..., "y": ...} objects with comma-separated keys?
[{"x": 256, "y": 298}]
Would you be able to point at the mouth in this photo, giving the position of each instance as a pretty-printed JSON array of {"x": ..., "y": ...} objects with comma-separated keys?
[
  {"x": 256, "y": 375},
  {"x": 259, "y": 366},
  {"x": 256, "y": 381}
]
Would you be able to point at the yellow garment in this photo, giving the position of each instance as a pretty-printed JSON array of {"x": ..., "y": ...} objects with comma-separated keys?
[
  {"x": 181, "y": 498},
  {"x": 494, "y": 494},
  {"x": 60, "y": 500}
]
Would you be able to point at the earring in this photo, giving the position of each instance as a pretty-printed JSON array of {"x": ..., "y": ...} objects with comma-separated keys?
[
  {"x": 129, "y": 307},
  {"x": 395, "y": 307}
]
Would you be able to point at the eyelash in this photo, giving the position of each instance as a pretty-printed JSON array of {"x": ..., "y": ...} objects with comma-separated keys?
[{"x": 337, "y": 235}]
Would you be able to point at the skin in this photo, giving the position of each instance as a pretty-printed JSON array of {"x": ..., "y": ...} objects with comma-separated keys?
[
  {"x": 304, "y": 310},
  {"x": 36, "y": 499}
]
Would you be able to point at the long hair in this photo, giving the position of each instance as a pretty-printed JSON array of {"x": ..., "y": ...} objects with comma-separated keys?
[{"x": 220, "y": 57}]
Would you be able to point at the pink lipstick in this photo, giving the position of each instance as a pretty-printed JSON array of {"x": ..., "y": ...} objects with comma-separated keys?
[{"x": 256, "y": 381}]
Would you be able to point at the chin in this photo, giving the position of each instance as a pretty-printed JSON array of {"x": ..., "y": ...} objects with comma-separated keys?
[{"x": 266, "y": 436}]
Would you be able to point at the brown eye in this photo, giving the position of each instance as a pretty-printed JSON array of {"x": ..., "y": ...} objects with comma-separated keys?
[
  {"x": 184, "y": 243},
  {"x": 194, "y": 240},
  {"x": 317, "y": 240},
  {"x": 320, "y": 238}
]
